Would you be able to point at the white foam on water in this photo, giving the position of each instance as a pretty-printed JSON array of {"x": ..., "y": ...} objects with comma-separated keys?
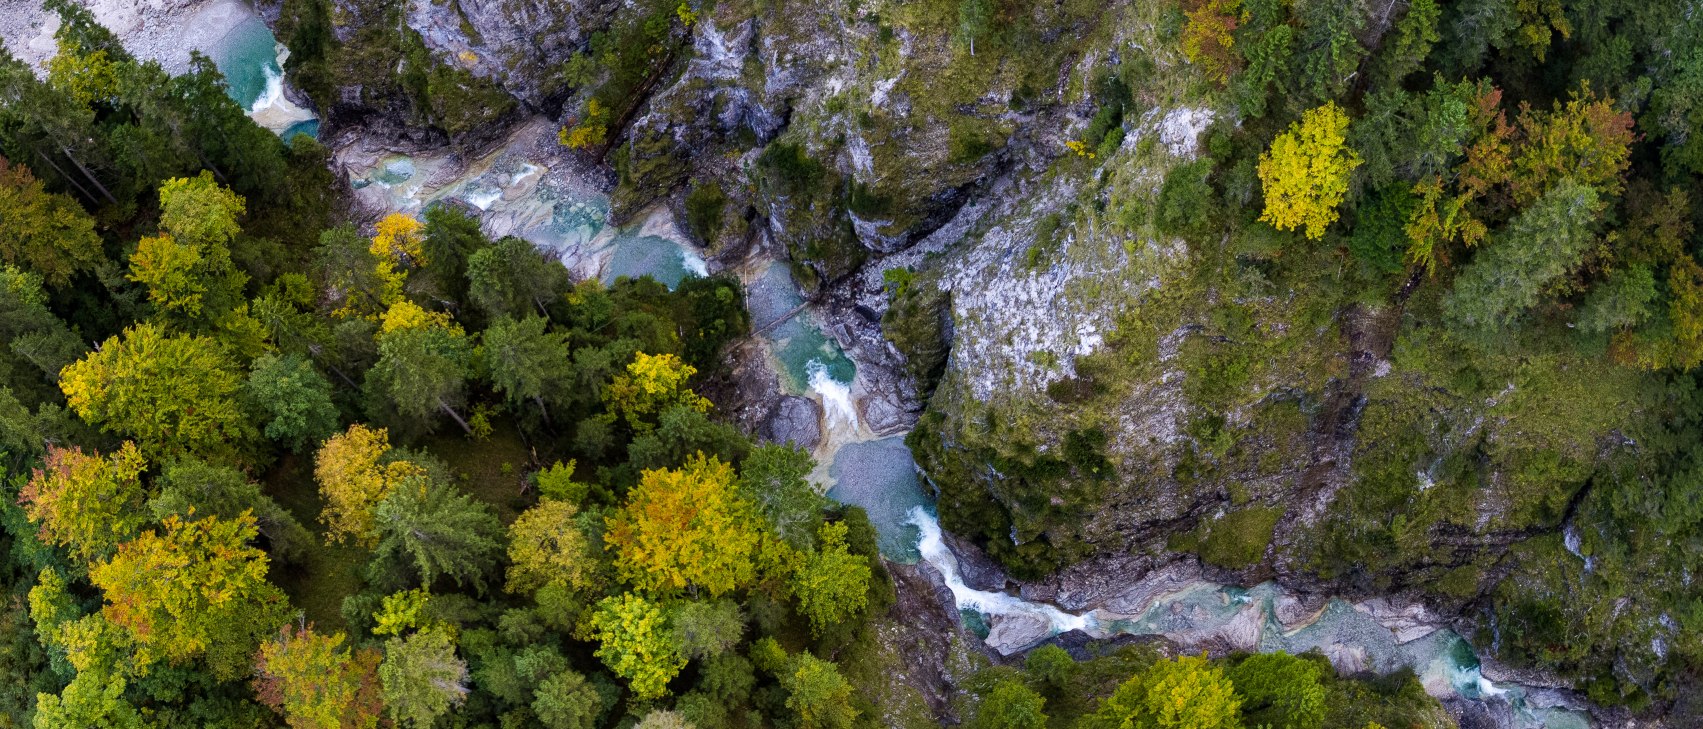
[
  {"x": 271, "y": 94},
  {"x": 482, "y": 199},
  {"x": 694, "y": 262},
  {"x": 934, "y": 551},
  {"x": 836, "y": 396}
]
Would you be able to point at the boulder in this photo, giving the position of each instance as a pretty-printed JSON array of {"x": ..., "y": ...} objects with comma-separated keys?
[
  {"x": 795, "y": 420},
  {"x": 1409, "y": 621},
  {"x": 1016, "y": 632}
]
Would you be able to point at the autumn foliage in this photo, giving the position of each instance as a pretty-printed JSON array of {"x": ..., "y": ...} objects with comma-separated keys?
[
  {"x": 316, "y": 682},
  {"x": 192, "y": 589},
  {"x": 86, "y": 503},
  {"x": 353, "y": 481},
  {"x": 1305, "y": 173},
  {"x": 686, "y": 528}
]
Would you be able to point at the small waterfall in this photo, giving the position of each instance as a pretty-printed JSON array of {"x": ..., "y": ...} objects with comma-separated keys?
[
  {"x": 271, "y": 92},
  {"x": 934, "y": 551},
  {"x": 836, "y": 396}
]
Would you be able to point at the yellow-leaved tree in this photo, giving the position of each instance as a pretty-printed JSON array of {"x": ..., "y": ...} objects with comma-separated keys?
[
  {"x": 686, "y": 528},
  {"x": 1305, "y": 173},
  {"x": 353, "y": 481},
  {"x": 652, "y": 383},
  {"x": 193, "y": 589}
]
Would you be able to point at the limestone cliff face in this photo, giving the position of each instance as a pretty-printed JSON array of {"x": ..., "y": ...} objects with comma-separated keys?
[{"x": 520, "y": 44}]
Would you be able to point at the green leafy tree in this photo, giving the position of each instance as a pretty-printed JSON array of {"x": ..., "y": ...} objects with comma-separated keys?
[
  {"x": 295, "y": 398},
  {"x": 1186, "y": 692},
  {"x": 436, "y": 531},
  {"x": 706, "y": 629},
  {"x": 1010, "y": 705},
  {"x": 513, "y": 278},
  {"x": 423, "y": 366},
  {"x": 831, "y": 583},
  {"x": 527, "y": 362},
  {"x": 817, "y": 694},
  {"x": 33, "y": 331},
  {"x": 174, "y": 394},
  {"x": 422, "y": 677},
  {"x": 775, "y": 478},
  {"x": 634, "y": 641},
  {"x": 564, "y": 700},
  {"x": 1280, "y": 691},
  {"x": 91, "y": 700},
  {"x": 191, "y": 488}
]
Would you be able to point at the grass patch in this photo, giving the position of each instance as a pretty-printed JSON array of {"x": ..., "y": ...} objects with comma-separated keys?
[
  {"x": 327, "y": 573},
  {"x": 1236, "y": 540},
  {"x": 492, "y": 470}
]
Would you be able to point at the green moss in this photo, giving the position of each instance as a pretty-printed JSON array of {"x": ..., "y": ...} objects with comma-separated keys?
[
  {"x": 704, "y": 206},
  {"x": 1238, "y": 539}
]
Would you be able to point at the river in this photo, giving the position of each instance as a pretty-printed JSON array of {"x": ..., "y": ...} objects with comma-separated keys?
[{"x": 530, "y": 188}]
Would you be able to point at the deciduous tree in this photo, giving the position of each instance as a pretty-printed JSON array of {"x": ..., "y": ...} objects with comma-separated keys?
[
  {"x": 1305, "y": 173},
  {"x": 635, "y": 643},
  {"x": 295, "y": 398},
  {"x": 1186, "y": 692},
  {"x": 86, "y": 503},
  {"x": 1010, "y": 705},
  {"x": 831, "y": 583},
  {"x": 44, "y": 232},
  {"x": 353, "y": 480},
  {"x": 652, "y": 384},
  {"x": 817, "y": 694},
  {"x": 1280, "y": 691},
  {"x": 548, "y": 547},
  {"x": 173, "y": 393},
  {"x": 192, "y": 589},
  {"x": 316, "y": 682},
  {"x": 685, "y": 528}
]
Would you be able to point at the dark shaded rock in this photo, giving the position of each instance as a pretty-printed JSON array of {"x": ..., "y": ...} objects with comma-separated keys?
[
  {"x": 1082, "y": 646},
  {"x": 795, "y": 420},
  {"x": 974, "y": 566}
]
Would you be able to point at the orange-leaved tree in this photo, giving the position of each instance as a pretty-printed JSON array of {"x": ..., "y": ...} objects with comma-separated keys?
[{"x": 316, "y": 682}]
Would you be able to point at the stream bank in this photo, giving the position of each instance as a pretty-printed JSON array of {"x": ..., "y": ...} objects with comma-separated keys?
[{"x": 807, "y": 360}]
